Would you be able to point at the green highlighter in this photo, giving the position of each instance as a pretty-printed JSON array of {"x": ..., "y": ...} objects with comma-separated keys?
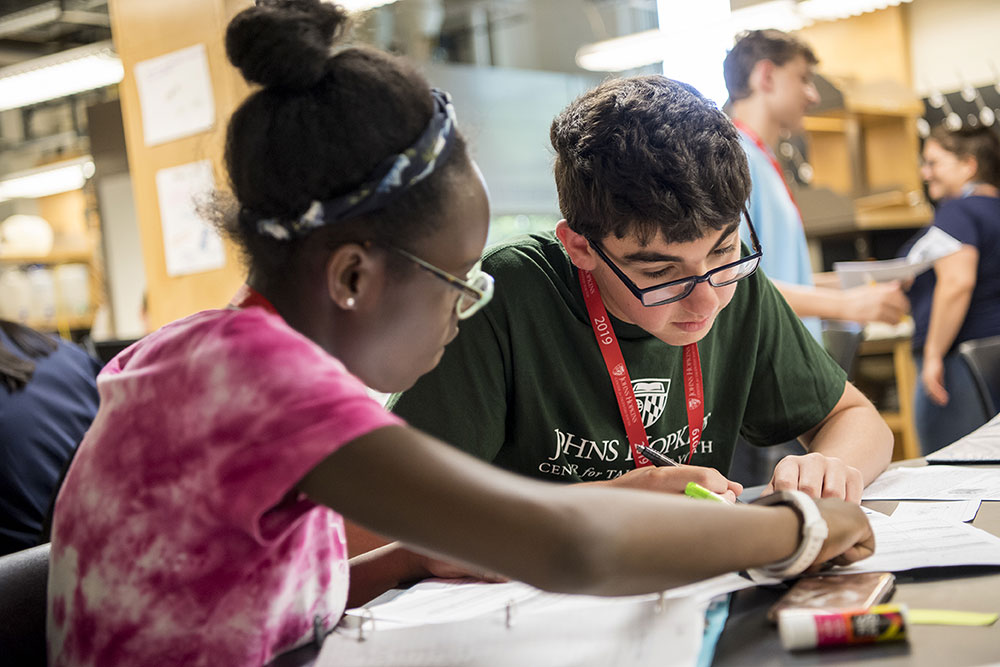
[{"x": 696, "y": 490}]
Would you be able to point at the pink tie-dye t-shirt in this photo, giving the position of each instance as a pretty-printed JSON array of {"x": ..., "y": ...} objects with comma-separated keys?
[{"x": 179, "y": 538}]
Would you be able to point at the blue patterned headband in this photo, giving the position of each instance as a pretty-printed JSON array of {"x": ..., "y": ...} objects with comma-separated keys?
[{"x": 391, "y": 178}]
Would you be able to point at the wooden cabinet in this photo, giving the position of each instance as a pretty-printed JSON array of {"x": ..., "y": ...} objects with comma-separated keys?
[
  {"x": 866, "y": 196},
  {"x": 57, "y": 293},
  {"x": 885, "y": 367},
  {"x": 865, "y": 149},
  {"x": 66, "y": 314}
]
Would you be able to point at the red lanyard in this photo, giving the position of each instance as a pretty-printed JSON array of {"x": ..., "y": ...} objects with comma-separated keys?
[
  {"x": 770, "y": 156},
  {"x": 622, "y": 383},
  {"x": 248, "y": 297}
]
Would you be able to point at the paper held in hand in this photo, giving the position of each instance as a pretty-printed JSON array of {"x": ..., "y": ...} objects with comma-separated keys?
[{"x": 931, "y": 247}]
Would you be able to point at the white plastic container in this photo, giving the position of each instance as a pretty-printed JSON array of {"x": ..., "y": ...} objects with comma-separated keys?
[
  {"x": 43, "y": 294},
  {"x": 73, "y": 289},
  {"x": 15, "y": 295}
]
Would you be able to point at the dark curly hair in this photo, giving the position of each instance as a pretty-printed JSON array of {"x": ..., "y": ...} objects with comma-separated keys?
[
  {"x": 756, "y": 45},
  {"x": 320, "y": 123},
  {"x": 981, "y": 143},
  {"x": 648, "y": 155},
  {"x": 16, "y": 370}
]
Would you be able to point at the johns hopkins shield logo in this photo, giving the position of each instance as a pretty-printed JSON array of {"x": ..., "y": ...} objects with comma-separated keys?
[{"x": 651, "y": 396}]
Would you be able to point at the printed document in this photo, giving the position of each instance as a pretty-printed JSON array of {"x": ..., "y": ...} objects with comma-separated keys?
[
  {"x": 907, "y": 544},
  {"x": 949, "y": 510},
  {"x": 935, "y": 483},
  {"x": 448, "y": 601},
  {"x": 980, "y": 446},
  {"x": 931, "y": 247},
  {"x": 573, "y": 630}
]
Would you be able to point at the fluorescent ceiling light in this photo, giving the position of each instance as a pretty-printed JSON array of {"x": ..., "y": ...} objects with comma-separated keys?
[
  {"x": 774, "y": 14},
  {"x": 622, "y": 53},
  {"x": 362, "y": 5},
  {"x": 831, "y": 10},
  {"x": 60, "y": 74},
  {"x": 653, "y": 46},
  {"x": 29, "y": 18},
  {"x": 48, "y": 180}
]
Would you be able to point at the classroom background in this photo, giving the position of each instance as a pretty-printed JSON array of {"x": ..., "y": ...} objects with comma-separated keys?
[{"x": 112, "y": 117}]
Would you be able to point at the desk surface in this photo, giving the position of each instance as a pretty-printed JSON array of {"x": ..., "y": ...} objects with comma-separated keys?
[{"x": 748, "y": 638}]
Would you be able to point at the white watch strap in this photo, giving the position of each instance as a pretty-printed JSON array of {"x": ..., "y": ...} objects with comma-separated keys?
[{"x": 813, "y": 536}]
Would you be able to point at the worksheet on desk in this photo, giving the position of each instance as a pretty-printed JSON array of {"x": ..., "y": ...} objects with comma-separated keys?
[
  {"x": 448, "y": 601},
  {"x": 980, "y": 446},
  {"x": 947, "y": 510},
  {"x": 919, "y": 542},
  {"x": 935, "y": 483},
  {"x": 637, "y": 631}
]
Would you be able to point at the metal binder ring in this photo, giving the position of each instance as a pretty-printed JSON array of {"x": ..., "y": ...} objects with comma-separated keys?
[{"x": 368, "y": 616}]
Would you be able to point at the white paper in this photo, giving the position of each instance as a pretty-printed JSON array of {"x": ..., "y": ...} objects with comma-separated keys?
[
  {"x": 189, "y": 243},
  {"x": 935, "y": 483},
  {"x": 906, "y": 544},
  {"x": 980, "y": 446},
  {"x": 949, "y": 510},
  {"x": 448, "y": 601},
  {"x": 639, "y": 630},
  {"x": 175, "y": 95},
  {"x": 931, "y": 247}
]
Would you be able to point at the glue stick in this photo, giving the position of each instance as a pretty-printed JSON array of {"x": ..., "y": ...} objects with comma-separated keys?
[{"x": 801, "y": 629}]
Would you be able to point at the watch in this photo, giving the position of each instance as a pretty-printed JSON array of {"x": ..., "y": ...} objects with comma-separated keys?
[{"x": 813, "y": 535}]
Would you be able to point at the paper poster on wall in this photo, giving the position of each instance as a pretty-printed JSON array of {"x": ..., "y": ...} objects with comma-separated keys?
[
  {"x": 190, "y": 244},
  {"x": 175, "y": 95}
]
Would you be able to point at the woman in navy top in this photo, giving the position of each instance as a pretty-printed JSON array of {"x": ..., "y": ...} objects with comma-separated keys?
[
  {"x": 960, "y": 299},
  {"x": 48, "y": 397}
]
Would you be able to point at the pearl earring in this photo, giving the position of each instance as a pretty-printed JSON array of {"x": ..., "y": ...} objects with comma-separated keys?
[{"x": 350, "y": 302}]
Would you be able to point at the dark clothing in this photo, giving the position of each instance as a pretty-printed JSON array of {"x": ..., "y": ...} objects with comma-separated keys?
[
  {"x": 41, "y": 425},
  {"x": 973, "y": 221},
  {"x": 525, "y": 387}
]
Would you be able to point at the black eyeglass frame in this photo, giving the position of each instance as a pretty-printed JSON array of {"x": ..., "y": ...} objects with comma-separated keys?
[
  {"x": 481, "y": 296},
  {"x": 641, "y": 292}
]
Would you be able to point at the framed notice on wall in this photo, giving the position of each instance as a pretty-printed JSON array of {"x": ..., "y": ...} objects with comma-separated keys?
[
  {"x": 190, "y": 244},
  {"x": 175, "y": 95}
]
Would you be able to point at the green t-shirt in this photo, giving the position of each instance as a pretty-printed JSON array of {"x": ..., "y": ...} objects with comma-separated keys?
[{"x": 524, "y": 384}]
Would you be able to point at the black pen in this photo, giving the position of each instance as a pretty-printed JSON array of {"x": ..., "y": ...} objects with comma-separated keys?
[
  {"x": 660, "y": 460},
  {"x": 656, "y": 457}
]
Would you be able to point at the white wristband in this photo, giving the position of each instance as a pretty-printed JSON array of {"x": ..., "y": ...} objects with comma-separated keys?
[{"x": 813, "y": 536}]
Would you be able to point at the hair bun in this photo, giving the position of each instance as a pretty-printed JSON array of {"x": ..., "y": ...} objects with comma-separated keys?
[{"x": 284, "y": 43}]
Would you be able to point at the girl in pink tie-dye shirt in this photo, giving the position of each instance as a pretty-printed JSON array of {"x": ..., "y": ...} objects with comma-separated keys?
[{"x": 193, "y": 527}]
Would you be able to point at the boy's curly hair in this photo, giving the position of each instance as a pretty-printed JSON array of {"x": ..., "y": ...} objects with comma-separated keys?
[{"x": 648, "y": 156}]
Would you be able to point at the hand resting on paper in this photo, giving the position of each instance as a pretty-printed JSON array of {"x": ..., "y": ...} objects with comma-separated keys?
[
  {"x": 819, "y": 476},
  {"x": 850, "y": 537},
  {"x": 673, "y": 480}
]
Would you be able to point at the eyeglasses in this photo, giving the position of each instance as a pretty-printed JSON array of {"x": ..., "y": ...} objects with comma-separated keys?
[
  {"x": 476, "y": 290},
  {"x": 675, "y": 290}
]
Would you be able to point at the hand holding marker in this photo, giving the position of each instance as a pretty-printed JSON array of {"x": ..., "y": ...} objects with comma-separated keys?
[{"x": 692, "y": 489}]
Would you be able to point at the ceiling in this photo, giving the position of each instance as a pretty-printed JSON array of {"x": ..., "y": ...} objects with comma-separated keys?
[{"x": 33, "y": 28}]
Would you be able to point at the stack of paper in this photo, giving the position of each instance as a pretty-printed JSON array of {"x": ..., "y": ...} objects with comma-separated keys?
[
  {"x": 912, "y": 543},
  {"x": 938, "y": 482},
  {"x": 494, "y": 625},
  {"x": 931, "y": 247},
  {"x": 980, "y": 446}
]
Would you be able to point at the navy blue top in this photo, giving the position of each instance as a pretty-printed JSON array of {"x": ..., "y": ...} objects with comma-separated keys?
[
  {"x": 974, "y": 221},
  {"x": 40, "y": 428}
]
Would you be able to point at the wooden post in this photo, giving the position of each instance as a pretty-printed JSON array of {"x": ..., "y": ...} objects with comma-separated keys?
[{"x": 144, "y": 29}]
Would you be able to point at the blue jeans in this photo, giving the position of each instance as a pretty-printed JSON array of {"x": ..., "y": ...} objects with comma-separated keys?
[{"x": 941, "y": 425}]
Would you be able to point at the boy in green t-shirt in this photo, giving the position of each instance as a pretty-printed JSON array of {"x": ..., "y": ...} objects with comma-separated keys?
[{"x": 652, "y": 182}]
